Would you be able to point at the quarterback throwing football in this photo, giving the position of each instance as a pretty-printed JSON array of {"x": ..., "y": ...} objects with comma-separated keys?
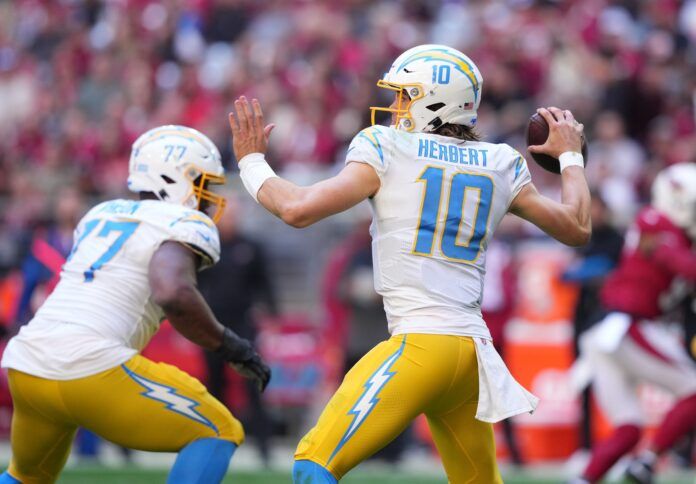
[
  {"x": 437, "y": 194},
  {"x": 77, "y": 363}
]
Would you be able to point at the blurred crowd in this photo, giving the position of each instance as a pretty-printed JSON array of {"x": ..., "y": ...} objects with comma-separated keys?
[{"x": 81, "y": 79}]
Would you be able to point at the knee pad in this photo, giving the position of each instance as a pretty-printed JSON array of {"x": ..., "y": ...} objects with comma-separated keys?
[{"x": 308, "y": 472}]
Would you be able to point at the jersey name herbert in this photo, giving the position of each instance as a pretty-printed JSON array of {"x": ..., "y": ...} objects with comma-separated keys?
[
  {"x": 100, "y": 313},
  {"x": 439, "y": 202},
  {"x": 452, "y": 153}
]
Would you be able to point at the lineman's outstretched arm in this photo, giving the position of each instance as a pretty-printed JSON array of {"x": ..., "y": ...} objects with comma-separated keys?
[
  {"x": 569, "y": 221},
  {"x": 173, "y": 282},
  {"x": 295, "y": 205}
]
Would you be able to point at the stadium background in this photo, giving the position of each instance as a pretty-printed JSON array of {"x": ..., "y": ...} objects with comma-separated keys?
[{"x": 80, "y": 80}]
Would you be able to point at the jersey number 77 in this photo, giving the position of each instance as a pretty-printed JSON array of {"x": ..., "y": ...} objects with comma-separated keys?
[{"x": 125, "y": 230}]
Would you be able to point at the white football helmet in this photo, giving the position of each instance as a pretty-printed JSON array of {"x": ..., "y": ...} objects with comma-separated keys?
[
  {"x": 443, "y": 85},
  {"x": 674, "y": 195},
  {"x": 177, "y": 164}
]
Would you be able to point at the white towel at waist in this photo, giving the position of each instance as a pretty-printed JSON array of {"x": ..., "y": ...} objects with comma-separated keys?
[{"x": 500, "y": 396}]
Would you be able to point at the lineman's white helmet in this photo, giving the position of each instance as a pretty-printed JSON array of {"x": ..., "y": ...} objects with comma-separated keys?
[
  {"x": 442, "y": 84},
  {"x": 177, "y": 164},
  {"x": 674, "y": 195}
]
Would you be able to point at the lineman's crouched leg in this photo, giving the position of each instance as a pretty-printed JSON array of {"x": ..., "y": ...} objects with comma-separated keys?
[
  {"x": 150, "y": 406},
  {"x": 42, "y": 431}
]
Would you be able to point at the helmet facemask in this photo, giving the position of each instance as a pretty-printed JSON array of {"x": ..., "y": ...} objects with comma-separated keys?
[
  {"x": 207, "y": 201},
  {"x": 404, "y": 119}
]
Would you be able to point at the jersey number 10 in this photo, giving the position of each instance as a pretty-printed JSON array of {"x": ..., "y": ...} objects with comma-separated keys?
[
  {"x": 126, "y": 229},
  {"x": 453, "y": 246}
]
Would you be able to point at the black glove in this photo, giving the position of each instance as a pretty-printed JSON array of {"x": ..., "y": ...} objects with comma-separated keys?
[{"x": 240, "y": 354}]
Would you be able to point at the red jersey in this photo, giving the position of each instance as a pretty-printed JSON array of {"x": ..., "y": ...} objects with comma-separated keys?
[{"x": 643, "y": 277}]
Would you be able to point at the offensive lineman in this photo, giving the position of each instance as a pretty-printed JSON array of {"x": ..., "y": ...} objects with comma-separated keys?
[
  {"x": 437, "y": 195},
  {"x": 627, "y": 347},
  {"x": 77, "y": 363}
]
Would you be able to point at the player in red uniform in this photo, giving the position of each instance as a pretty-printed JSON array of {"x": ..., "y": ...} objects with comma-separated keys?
[{"x": 628, "y": 347}]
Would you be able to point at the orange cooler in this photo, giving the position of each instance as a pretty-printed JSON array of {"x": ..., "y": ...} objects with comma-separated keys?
[{"x": 539, "y": 352}]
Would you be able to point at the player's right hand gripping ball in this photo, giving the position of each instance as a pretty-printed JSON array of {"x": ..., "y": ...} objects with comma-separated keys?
[{"x": 537, "y": 134}]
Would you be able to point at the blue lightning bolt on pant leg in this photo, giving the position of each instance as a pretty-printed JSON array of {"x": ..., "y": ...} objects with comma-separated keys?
[
  {"x": 6, "y": 478},
  {"x": 202, "y": 461},
  {"x": 308, "y": 472}
]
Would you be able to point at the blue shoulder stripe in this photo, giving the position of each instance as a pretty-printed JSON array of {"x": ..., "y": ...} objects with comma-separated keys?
[
  {"x": 519, "y": 163},
  {"x": 371, "y": 135}
]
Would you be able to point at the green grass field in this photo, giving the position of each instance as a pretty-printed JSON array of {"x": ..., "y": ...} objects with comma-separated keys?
[
  {"x": 140, "y": 476},
  {"x": 102, "y": 476}
]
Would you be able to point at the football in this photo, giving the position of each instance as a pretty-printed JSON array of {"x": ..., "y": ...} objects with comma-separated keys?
[{"x": 537, "y": 133}]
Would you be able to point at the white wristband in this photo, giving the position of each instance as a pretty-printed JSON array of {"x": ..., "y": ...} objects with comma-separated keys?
[
  {"x": 571, "y": 158},
  {"x": 254, "y": 171}
]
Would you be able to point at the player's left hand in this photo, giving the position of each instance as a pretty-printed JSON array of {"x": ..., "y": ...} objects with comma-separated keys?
[
  {"x": 249, "y": 134},
  {"x": 254, "y": 369},
  {"x": 242, "y": 356}
]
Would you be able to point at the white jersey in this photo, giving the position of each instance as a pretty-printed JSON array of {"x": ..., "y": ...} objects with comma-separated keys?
[
  {"x": 439, "y": 203},
  {"x": 100, "y": 313}
]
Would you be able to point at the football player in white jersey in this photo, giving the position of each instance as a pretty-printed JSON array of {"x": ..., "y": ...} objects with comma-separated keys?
[
  {"x": 437, "y": 193},
  {"x": 133, "y": 263}
]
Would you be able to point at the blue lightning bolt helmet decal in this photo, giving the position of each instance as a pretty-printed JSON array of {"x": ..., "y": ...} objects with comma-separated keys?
[
  {"x": 368, "y": 400},
  {"x": 446, "y": 55}
]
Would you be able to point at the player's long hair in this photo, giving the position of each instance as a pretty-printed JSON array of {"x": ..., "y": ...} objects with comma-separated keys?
[{"x": 458, "y": 131}]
